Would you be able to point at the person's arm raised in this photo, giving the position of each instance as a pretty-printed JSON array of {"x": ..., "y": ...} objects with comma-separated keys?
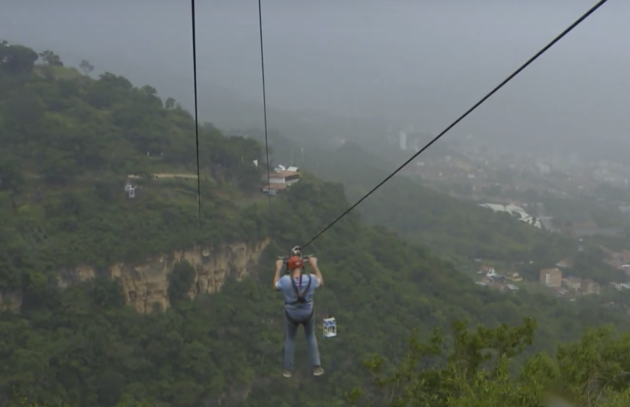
[
  {"x": 276, "y": 277},
  {"x": 313, "y": 262}
]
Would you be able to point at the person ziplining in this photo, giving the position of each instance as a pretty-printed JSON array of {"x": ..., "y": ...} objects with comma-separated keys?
[
  {"x": 298, "y": 302},
  {"x": 298, "y": 289}
]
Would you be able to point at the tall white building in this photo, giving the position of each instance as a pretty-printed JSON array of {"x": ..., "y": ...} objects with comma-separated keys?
[{"x": 402, "y": 140}]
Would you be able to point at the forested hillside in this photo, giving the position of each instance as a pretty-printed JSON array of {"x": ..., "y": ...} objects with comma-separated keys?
[
  {"x": 68, "y": 145},
  {"x": 69, "y": 142},
  {"x": 450, "y": 227}
]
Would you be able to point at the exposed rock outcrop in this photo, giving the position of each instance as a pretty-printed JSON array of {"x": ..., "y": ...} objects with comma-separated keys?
[{"x": 147, "y": 284}]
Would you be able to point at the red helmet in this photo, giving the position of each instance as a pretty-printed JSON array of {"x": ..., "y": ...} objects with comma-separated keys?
[{"x": 295, "y": 262}]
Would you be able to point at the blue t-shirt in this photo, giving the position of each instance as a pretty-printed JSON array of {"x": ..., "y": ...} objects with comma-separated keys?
[{"x": 302, "y": 310}]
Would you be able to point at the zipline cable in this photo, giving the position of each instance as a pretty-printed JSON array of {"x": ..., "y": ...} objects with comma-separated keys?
[
  {"x": 194, "y": 46},
  {"x": 508, "y": 79},
  {"x": 264, "y": 95}
]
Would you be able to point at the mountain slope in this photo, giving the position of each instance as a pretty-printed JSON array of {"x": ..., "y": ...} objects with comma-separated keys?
[
  {"x": 459, "y": 230},
  {"x": 462, "y": 230},
  {"x": 86, "y": 345},
  {"x": 70, "y": 143}
]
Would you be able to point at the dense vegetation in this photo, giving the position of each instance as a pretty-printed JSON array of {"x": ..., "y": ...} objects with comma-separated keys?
[
  {"x": 68, "y": 144},
  {"x": 475, "y": 371}
]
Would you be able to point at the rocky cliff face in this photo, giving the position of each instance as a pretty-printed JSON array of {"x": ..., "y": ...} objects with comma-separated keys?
[{"x": 147, "y": 284}]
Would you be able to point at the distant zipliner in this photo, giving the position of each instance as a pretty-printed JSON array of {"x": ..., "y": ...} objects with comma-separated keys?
[{"x": 299, "y": 308}]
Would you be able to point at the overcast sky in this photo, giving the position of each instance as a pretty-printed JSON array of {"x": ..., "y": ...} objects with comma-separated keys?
[{"x": 418, "y": 62}]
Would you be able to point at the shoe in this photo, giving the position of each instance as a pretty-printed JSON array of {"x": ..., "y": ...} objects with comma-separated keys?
[
  {"x": 286, "y": 373},
  {"x": 318, "y": 371}
]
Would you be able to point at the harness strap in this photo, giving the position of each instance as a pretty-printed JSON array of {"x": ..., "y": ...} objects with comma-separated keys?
[{"x": 300, "y": 296}]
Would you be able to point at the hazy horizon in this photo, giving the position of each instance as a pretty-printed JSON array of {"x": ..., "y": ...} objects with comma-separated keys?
[{"x": 419, "y": 63}]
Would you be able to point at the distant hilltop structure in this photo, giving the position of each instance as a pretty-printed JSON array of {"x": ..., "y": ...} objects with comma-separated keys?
[
  {"x": 516, "y": 211},
  {"x": 280, "y": 179}
]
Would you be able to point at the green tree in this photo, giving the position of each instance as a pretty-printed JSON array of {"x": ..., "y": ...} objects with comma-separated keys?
[
  {"x": 16, "y": 58},
  {"x": 50, "y": 58},
  {"x": 86, "y": 67},
  {"x": 181, "y": 281}
]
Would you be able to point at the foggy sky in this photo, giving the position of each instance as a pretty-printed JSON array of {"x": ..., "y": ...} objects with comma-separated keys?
[{"x": 415, "y": 62}]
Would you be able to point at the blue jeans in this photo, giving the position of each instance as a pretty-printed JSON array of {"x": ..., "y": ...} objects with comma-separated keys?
[{"x": 289, "y": 342}]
